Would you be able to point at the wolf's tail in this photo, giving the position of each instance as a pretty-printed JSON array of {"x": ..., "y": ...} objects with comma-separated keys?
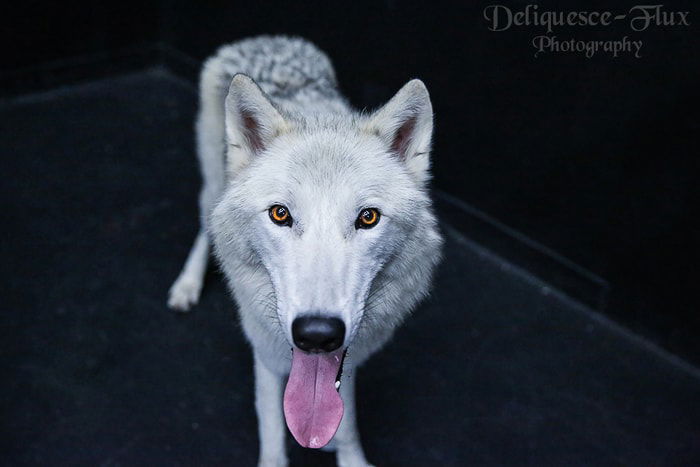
[{"x": 280, "y": 65}]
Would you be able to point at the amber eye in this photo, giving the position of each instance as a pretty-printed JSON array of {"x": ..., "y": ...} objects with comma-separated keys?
[
  {"x": 280, "y": 215},
  {"x": 367, "y": 219}
]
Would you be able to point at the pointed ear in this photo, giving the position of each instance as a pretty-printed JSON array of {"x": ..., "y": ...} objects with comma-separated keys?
[
  {"x": 251, "y": 121},
  {"x": 406, "y": 124}
]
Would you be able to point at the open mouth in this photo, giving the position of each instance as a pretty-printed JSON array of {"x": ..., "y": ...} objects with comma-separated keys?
[{"x": 313, "y": 407}]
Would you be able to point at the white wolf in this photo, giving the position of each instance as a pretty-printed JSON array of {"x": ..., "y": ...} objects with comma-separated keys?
[{"x": 321, "y": 220}]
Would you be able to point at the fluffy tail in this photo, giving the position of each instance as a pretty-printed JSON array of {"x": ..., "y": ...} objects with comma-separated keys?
[{"x": 280, "y": 65}]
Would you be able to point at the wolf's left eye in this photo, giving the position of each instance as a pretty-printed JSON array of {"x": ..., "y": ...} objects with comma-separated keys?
[
  {"x": 367, "y": 219},
  {"x": 280, "y": 215}
]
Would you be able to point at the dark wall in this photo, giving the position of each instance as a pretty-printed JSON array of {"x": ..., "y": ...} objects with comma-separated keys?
[
  {"x": 47, "y": 44},
  {"x": 35, "y": 32},
  {"x": 594, "y": 157}
]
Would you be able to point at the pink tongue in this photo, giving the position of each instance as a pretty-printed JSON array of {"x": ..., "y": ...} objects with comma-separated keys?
[{"x": 312, "y": 406}]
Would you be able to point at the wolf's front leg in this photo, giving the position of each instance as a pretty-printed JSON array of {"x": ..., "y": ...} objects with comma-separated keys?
[
  {"x": 347, "y": 440},
  {"x": 271, "y": 427},
  {"x": 185, "y": 291}
]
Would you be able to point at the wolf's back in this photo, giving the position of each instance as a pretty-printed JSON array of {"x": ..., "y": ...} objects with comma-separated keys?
[{"x": 281, "y": 65}]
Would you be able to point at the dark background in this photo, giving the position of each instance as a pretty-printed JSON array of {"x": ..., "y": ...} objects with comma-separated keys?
[{"x": 594, "y": 158}]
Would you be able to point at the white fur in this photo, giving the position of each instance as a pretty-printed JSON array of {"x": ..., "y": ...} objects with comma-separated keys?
[{"x": 281, "y": 133}]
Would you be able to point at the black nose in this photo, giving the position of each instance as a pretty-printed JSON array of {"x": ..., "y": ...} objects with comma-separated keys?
[{"x": 316, "y": 334}]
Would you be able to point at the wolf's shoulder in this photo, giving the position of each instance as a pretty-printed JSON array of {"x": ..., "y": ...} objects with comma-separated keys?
[{"x": 281, "y": 65}]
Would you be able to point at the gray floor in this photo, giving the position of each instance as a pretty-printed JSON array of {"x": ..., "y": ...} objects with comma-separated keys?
[{"x": 494, "y": 369}]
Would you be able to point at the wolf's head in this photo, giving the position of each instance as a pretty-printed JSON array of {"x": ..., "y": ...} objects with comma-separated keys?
[{"x": 326, "y": 228}]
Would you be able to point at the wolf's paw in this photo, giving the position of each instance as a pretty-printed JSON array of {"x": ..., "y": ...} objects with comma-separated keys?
[{"x": 184, "y": 293}]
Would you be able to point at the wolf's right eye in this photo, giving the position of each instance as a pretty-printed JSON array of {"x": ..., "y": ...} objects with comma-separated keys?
[{"x": 280, "y": 215}]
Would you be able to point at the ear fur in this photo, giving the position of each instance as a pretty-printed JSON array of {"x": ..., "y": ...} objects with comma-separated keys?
[
  {"x": 405, "y": 123},
  {"x": 251, "y": 121}
]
